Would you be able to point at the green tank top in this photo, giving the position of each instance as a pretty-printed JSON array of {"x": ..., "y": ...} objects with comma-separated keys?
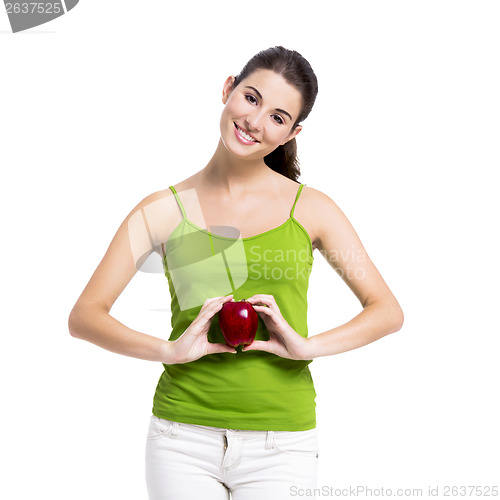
[{"x": 252, "y": 390}]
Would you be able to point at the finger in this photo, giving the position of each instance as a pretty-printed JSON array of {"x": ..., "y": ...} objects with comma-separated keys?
[
  {"x": 264, "y": 309},
  {"x": 226, "y": 298},
  {"x": 208, "y": 311},
  {"x": 264, "y": 302},
  {"x": 216, "y": 302},
  {"x": 211, "y": 300},
  {"x": 212, "y": 309},
  {"x": 223, "y": 300}
]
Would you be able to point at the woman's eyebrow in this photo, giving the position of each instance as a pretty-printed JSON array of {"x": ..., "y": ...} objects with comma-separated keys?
[{"x": 260, "y": 97}]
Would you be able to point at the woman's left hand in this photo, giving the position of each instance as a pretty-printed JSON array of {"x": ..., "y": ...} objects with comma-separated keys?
[{"x": 283, "y": 341}]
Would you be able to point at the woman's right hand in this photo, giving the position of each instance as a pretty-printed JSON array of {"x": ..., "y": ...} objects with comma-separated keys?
[{"x": 193, "y": 343}]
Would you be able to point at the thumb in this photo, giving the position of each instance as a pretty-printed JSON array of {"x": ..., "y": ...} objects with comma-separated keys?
[
  {"x": 218, "y": 348},
  {"x": 257, "y": 345}
]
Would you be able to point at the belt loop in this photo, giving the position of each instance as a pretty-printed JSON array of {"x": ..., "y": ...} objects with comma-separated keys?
[
  {"x": 174, "y": 429},
  {"x": 269, "y": 440}
]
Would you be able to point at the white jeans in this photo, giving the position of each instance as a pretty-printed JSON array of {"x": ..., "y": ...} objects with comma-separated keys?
[{"x": 187, "y": 461}]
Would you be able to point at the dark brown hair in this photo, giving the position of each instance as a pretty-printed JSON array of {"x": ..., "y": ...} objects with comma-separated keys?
[{"x": 297, "y": 72}]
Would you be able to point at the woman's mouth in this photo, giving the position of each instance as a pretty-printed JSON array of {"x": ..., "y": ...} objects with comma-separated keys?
[{"x": 243, "y": 136}]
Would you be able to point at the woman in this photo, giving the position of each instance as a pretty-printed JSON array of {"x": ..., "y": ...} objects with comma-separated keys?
[{"x": 245, "y": 423}]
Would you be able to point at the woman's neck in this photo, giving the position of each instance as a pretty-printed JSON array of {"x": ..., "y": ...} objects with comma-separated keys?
[{"x": 234, "y": 175}]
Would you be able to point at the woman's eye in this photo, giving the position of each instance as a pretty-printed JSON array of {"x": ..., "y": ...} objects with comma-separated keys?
[{"x": 253, "y": 100}]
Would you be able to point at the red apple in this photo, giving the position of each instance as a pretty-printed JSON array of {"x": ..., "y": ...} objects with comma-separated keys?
[{"x": 238, "y": 322}]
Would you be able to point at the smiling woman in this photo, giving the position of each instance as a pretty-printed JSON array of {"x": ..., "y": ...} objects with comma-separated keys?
[
  {"x": 261, "y": 115},
  {"x": 243, "y": 424}
]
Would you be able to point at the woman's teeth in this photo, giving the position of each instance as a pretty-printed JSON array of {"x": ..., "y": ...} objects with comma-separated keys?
[{"x": 245, "y": 135}]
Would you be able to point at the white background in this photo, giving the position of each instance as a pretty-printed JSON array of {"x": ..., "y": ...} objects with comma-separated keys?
[{"x": 118, "y": 99}]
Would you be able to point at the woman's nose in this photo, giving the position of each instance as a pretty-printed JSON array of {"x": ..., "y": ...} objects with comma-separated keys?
[{"x": 253, "y": 122}]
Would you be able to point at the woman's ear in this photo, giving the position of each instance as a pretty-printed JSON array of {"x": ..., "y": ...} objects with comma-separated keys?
[
  {"x": 228, "y": 88},
  {"x": 296, "y": 130}
]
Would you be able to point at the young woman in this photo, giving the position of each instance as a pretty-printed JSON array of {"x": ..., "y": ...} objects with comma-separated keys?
[{"x": 243, "y": 227}]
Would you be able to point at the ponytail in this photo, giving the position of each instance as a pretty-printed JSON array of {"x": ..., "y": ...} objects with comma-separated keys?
[{"x": 284, "y": 160}]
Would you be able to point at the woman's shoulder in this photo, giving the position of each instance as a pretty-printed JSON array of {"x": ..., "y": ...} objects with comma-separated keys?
[
  {"x": 310, "y": 197},
  {"x": 317, "y": 199},
  {"x": 152, "y": 197},
  {"x": 159, "y": 213},
  {"x": 318, "y": 211}
]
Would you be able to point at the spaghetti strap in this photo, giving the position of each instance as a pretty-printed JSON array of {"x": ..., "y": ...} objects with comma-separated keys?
[
  {"x": 184, "y": 212},
  {"x": 296, "y": 198},
  {"x": 178, "y": 201}
]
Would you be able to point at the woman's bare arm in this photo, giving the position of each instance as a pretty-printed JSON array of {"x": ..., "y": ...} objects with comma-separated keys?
[
  {"x": 341, "y": 247},
  {"x": 90, "y": 319},
  {"x": 93, "y": 323}
]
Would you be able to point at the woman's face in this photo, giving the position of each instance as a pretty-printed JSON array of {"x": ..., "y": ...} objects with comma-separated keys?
[{"x": 263, "y": 106}]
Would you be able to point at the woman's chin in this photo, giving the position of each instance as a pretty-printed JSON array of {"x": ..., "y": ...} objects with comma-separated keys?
[{"x": 234, "y": 148}]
